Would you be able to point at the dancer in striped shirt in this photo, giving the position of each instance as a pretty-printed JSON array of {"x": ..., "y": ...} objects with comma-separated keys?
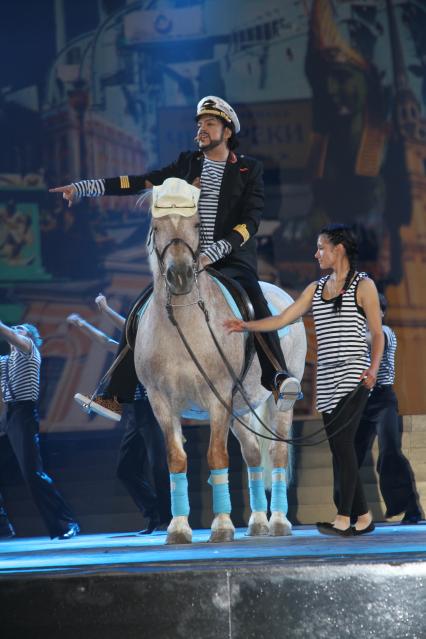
[
  {"x": 142, "y": 452},
  {"x": 380, "y": 418},
  {"x": 20, "y": 381},
  {"x": 341, "y": 304}
]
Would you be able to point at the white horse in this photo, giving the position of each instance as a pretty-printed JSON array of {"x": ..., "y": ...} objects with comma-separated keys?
[{"x": 175, "y": 385}]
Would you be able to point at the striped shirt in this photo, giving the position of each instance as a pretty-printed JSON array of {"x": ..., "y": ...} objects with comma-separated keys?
[
  {"x": 211, "y": 181},
  {"x": 20, "y": 375},
  {"x": 386, "y": 372},
  {"x": 90, "y": 188},
  {"x": 342, "y": 345}
]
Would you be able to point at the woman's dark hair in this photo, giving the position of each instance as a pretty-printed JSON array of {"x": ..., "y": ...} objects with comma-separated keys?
[{"x": 343, "y": 234}]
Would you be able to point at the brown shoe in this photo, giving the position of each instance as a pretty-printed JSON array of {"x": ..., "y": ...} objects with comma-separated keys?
[{"x": 105, "y": 406}]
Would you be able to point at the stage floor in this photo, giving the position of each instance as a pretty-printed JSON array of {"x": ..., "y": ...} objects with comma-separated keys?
[
  {"x": 129, "y": 551},
  {"x": 125, "y": 586}
]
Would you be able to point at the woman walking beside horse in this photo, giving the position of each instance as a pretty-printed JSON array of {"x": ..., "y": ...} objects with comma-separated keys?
[{"x": 341, "y": 302}]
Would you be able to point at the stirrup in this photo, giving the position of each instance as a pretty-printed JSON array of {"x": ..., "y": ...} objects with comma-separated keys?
[{"x": 287, "y": 394}]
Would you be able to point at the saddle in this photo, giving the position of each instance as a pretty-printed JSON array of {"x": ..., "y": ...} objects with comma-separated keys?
[{"x": 237, "y": 294}]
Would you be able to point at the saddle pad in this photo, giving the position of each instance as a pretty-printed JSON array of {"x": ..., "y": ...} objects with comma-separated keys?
[
  {"x": 232, "y": 305},
  {"x": 234, "y": 308}
]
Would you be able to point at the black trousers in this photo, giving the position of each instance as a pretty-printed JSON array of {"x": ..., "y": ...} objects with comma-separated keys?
[
  {"x": 123, "y": 381},
  {"x": 22, "y": 433},
  {"x": 142, "y": 461},
  {"x": 348, "y": 494},
  {"x": 396, "y": 480}
]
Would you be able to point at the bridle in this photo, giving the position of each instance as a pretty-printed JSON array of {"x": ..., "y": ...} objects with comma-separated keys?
[{"x": 175, "y": 240}]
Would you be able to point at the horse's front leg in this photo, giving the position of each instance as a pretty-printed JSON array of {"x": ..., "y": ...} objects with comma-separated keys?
[
  {"x": 279, "y": 525},
  {"x": 178, "y": 531},
  {"x": 217, "y": 458},
  {"x": 258, "y": 522}
]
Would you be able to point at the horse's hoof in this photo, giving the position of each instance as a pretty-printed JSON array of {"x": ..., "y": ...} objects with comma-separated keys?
[
  {"x": 279, "y": 529},
  {"x": 179, "y": 537},
  {"x": 257, "y": 530},
  {"x": 218, "y": 536}
]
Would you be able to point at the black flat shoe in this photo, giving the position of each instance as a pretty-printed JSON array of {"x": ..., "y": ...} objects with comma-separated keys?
[
  {"x": 364, "y": 531},
  {"x": 325, "y": 528},
  {"x": 152, "y": 525},
  {"x": 72, "y": 531},
  {"x": 7, "y": 531},
  {"x": 324, "y": 524},
  {"x": 411, "y": 518}
]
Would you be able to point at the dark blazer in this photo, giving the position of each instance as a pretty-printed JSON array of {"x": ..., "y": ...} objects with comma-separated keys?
[{"x": 240, "y": 205}]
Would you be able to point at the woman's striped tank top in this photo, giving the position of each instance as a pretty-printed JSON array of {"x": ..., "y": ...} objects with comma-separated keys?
[{"x": 342, "y": 346}]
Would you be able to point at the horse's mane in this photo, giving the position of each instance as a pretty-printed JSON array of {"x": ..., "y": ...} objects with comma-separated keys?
[{"x": 144, "y": 195}]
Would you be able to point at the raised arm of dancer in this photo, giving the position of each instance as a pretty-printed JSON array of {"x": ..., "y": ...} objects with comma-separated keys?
[
  {"x": 368, "y": 299},
  {"x": 117, "y": 319},
  {"x": 92, "y": 332},
  {"x": 289, "y": 315},
  {"x": 22, "y": 343}
]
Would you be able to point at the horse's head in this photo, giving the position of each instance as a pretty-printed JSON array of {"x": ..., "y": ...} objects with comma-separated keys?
[
  {"x": 175, "y": 233},
  {"x": 176, "y": 245}
]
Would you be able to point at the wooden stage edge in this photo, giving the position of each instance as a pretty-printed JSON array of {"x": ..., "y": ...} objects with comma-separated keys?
[{"x": 123, "y": 586}]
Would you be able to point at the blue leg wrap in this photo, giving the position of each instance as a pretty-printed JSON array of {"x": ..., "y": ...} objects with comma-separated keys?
[
  {"x": 258, "y": 501},
  {"x": 179, "y": 494},
  {"x": 279, "y": 491},
  {"x": 218, "y": 480}
]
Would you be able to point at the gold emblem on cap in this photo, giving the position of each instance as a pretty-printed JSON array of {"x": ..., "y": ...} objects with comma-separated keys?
[
  {"x": 217, "y": 112},
  {"x": 124, "y": 182}
]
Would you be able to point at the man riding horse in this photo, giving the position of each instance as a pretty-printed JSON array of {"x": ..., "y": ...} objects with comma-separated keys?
[{"x": 230, "y": 208}]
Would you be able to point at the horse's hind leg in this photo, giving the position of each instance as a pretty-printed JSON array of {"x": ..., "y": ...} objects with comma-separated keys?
[
  {"x": 222, "y": 528},
  {"x": 258, "y": 522},
  {"x": 279, "y": 525}
]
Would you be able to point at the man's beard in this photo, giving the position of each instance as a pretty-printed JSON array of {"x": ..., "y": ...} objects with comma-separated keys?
[{"x": 212, "y": 144}]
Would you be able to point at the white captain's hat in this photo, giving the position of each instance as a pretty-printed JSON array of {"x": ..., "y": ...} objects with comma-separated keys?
[
  {"x": 212, "y": 105},
  {"x": 174, "y": 197}
]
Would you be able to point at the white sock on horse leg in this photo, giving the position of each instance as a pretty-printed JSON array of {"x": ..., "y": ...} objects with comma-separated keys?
[
  {"x": 258, "y": 501},
  {"x": 279, "y": 491}
]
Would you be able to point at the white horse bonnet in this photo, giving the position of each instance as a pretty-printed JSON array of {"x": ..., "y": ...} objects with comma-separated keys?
[{"x": 174, "y": 197}]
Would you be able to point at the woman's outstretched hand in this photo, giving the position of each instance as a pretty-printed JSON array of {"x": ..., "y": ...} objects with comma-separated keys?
[{"x": 234, "y": 325}]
